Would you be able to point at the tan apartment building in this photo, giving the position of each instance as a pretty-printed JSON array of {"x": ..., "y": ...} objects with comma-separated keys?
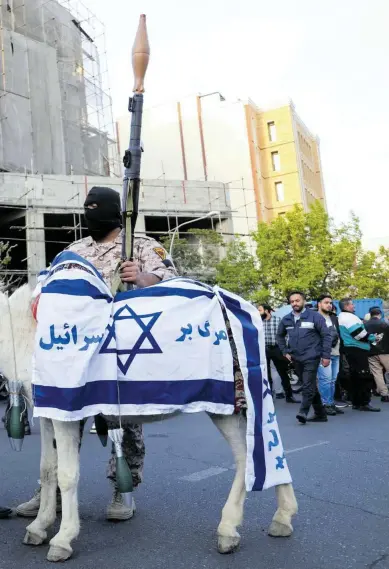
[
  {"x": 267, "y": 159},
  {"x": 285, "y": 161}
]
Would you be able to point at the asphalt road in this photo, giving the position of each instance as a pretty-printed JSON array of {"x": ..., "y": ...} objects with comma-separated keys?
[{"x": 340, "y": 471}]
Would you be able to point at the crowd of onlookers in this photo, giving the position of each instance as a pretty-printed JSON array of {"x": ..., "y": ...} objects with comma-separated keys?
[{"x": 339, "y": 359}]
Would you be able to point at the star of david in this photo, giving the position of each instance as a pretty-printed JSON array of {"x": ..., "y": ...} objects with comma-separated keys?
[{"x": 127, "y": 313}]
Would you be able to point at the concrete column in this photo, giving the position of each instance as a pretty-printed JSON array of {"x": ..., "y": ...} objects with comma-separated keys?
[
  {"x": 36, "y": 249},
  {"x": 140, "y": 227}
]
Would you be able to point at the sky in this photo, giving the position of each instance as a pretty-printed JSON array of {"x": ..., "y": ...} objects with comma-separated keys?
[{"x": 330, "y": 57}]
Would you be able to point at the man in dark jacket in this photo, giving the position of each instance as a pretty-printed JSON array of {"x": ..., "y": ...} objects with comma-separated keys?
[
  {"x": 379, "y": 354},
  {"x": 309, "y": 343},
  {"x": 273, "y": 352},
  {"x": 357, "y": 344}
]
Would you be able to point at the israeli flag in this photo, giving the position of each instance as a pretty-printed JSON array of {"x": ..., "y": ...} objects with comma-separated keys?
[{"x": 152, "y": 351}]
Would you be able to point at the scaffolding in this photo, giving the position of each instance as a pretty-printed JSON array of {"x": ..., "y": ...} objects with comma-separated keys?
[
  {"x": 42, "y": 215},
  {"x": 55, "y": 102},
  {"x": 58, "y": 138}
]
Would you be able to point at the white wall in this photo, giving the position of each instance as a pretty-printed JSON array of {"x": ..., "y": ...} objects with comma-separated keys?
[
  {"x": 226, "y": 146},
  {"x": 66, "y": 194}
]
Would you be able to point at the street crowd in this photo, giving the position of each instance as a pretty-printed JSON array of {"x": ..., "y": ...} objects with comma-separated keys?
[{"x": 339, "y": 359}]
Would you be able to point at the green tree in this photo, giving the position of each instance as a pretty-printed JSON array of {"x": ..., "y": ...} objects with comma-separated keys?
[
  {"x": 196, "y": 255},
  {"x": 238, "y": 272},
  {"x": 307, "y": 251},
  {"x": 371, "y": 274}
]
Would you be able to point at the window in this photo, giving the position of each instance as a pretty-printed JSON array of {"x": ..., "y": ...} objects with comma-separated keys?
[
  {"x": 276, "y": 161},
  {"x": 280, "y": 194},
  {"x": 271, "y": 130}
]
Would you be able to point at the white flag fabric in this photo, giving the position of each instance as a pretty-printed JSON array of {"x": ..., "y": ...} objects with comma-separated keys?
[{"x": 152, "y": 351}]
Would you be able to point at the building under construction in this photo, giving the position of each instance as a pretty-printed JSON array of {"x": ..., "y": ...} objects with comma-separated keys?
[
  {"x": 57, "y": 137},
  {"x": 55, "y": 108}
]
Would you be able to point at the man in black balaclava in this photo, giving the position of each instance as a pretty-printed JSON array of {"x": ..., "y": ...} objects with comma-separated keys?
[
  {"x": 151, "y": 265},
  {"x": 102, "y": 212}
]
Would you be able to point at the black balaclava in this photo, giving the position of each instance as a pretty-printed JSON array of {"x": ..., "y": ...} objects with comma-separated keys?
[{"x": 106, "y": 216}]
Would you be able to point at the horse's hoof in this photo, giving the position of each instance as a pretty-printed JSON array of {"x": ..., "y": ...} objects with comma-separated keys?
[
  {"x": 33, "y": 538},
  {"x": 277, "y": 529},
  {"x": 227, "y": 544},
  {"x": 57, "y": 553}
]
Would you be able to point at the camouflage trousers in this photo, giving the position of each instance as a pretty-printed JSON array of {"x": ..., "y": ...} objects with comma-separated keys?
[{"x": 133, "y": 450}]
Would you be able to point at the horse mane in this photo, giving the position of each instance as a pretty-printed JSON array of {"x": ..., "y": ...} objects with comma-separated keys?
[{"x": 17, "y": 335}]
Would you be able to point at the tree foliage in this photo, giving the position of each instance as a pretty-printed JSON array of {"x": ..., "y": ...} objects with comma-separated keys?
[
  {"x": 238, "y": 272},
  {"x": 196, "y": 255},
  {"x": 307, "y": 251}
]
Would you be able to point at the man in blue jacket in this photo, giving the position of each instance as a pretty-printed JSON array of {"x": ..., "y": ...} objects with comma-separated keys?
[{"x": 309, "y": 342}]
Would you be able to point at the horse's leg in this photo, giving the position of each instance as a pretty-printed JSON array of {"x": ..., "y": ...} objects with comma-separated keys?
[
  {"x": 233, "y": 428},
  {"x": 36, "y": 531},
  {"x": 281, "y": 525},
  {"x": 67, "y": 436}
]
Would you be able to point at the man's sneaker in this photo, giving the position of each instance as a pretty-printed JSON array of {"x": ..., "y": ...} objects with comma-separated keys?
[
  {"x": 301, "y": 418},
  {"x": 341, "y": 404},
  {"x": 5, "y": 512},
  {"x": 280, "y": 396},
  {"x": 385, "y": 399},
  {"x": 338, "y": 411},
  {"x": 291, "y": 399},
  {"x": 330, "y": 410},
  {"x": 117, "y": 510},
  {"x": 370, "y": 408},
  {"x": 30, "y": 509},
  {"x": 318, "y": 419}
]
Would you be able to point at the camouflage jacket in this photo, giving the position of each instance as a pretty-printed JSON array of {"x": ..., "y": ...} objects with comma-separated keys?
[{"x": 148, "y": 253}]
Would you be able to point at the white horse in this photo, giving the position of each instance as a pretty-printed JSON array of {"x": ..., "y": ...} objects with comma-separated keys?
[{"x": 60, "y": 462}]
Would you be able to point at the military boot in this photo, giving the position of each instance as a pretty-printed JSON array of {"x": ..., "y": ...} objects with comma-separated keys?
[
  {"x": 117, "y": 510},
  {"x": 30, "y": 509}
]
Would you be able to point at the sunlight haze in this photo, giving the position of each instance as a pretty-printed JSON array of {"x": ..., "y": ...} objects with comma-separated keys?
[{"x": 330, "y": 58}]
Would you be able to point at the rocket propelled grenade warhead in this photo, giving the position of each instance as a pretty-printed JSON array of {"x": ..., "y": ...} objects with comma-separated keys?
[
  {"x": 140, "y": 55},
  {"x": 133, "y": 155},
  {"x": 15, "y": 415},
  {"x": 123, "y": 473}
]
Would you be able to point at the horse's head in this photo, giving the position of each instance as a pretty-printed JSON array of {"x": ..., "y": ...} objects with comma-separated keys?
[{"x": 17, "y": 334}]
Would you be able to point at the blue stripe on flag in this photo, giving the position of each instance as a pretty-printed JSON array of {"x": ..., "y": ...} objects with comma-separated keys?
[
  {"x": 158, "y": 290},
  {"x": 135, "y": 393},
  {"x": 75, "y": 287},
  {"x": 251, "y": 342},
  {"x": 69, "y": 256},
  {"x": 192, "y": 282}
]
